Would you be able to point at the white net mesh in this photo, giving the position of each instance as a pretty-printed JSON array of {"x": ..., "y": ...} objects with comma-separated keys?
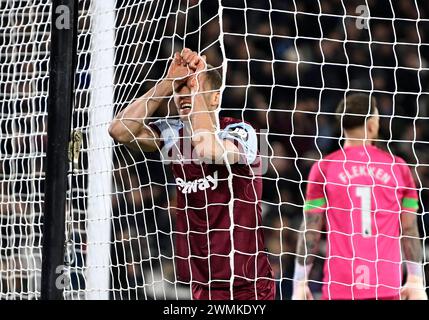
[
  {"x": 24, "y": 58},
  {"x": 286, "y": 64}
]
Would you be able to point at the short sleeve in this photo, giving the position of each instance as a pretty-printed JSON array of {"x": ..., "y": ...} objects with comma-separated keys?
[
  {"x": 315, "y": 200},
  {"x": 168, "y": 131},
  {"x": 244, "y": 137},
  {"x": 410, "y": 199}
]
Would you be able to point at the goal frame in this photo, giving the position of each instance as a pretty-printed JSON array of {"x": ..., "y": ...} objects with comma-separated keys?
[{"x": 60, "y": 104}]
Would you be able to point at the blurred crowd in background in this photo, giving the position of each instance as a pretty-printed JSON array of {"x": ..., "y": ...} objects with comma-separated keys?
[{"x": 288, "y": 64}]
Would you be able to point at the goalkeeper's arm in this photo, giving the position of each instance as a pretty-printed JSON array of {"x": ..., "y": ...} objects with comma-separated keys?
[
  {"x": 414, "y": 287},
  {"x": 308, "y": 246}
]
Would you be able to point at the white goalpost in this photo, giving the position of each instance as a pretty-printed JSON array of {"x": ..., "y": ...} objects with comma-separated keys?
[
  {"x": 100, "y": 153},
  {"x": 285, "y": 67}
]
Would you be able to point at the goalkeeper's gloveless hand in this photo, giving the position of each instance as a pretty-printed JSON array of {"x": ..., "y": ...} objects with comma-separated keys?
[
  {"x": 301, "y": 291},
  {"x": 414, "y": 289}
]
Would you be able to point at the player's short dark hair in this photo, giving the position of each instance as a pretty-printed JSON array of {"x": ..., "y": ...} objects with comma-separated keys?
[
  {"x": 214, "y": 77},
  {"x": 353, "y": 111}
]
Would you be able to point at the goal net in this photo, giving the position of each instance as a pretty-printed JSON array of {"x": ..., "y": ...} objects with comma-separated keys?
[
  {"x": 285, "y": 67},
  {"x": 24, "y": 58}
]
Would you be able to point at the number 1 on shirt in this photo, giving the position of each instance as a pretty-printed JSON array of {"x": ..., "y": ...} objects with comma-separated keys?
[{"x": 364, "y": 193}]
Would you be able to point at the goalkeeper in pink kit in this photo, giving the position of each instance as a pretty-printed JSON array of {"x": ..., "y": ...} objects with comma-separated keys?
[
  {"x": 217, "y": 170},
  {"x": 366, "y": 199}
]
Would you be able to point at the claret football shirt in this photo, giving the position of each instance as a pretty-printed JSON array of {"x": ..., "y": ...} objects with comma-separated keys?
[{"x": 204, "y": 195}]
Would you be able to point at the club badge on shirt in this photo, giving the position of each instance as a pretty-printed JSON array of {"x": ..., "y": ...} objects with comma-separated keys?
[{"x": 239, "y": 133}]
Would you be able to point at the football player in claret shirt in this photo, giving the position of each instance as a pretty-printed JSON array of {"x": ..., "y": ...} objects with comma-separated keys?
[
  {"x": 217, "y": 169},
  {"x": 366, "y": 199}
]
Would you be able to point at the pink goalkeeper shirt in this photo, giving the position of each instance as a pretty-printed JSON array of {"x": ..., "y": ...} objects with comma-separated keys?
[{"x": 362, "y": 190}]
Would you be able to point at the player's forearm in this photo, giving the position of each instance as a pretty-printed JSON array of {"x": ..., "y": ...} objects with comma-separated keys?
[
  {"x": 204, "y": 138},
  {"x": 129, "y": 123},
  {"x": 413, "y": 253},
  {"x": 411, "y": 244},
  {"x": 309, "y": 239},
  {"x": 201, "y": 120},
  {"x": 410, "y": 238}
]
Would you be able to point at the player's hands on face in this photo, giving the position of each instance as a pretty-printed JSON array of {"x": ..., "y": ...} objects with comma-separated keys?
[
  {"x": 178, "y": 69},
  {"x": 414, "y": 289},
  {"x": 197, "y": 64},
  {"x": 301, "y": 291}
]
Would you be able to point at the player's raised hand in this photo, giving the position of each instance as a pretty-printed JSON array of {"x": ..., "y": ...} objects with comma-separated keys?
[
  {"x": 414, "y": 289},
  {"x": 198, "y": 78},
  {"x": 178, "y": 68},
  {"x": 191, "y": 58},
  {"x": 301, "y": 291}
]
